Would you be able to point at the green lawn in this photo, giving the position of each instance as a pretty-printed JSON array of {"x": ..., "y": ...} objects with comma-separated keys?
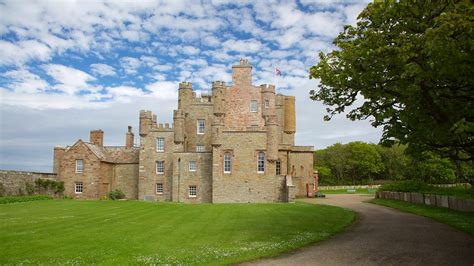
[
  {"x": 461, "y": 220},
  {"x": 134, "y": 232},
  {"x": 344, "y": 191}
]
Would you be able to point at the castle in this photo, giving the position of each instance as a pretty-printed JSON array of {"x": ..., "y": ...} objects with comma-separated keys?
[{"x": 235, "y": 145}]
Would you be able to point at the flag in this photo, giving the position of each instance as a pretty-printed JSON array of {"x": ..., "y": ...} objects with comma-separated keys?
[{"x": 277, "y": 71}]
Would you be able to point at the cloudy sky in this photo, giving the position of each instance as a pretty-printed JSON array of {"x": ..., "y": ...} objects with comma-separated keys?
[{"x": 70, "y": 66}]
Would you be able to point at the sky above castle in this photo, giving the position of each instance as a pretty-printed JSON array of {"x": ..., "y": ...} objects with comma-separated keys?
[{"x": 70, "y": 66}]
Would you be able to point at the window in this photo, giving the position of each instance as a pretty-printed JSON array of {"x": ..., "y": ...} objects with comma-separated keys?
[
  {"x": 78, "y": 187},
  {"x": 199, "y": 148},
  {"x": 160, "y": 167},
  {"x": 79, "y": 166},
  {"x": 160, "y": 144},
  {"x": 227, "y": 163},
  {"x": 192, "y": 166},
  {"x": 278, "y": 167},
  {"x": 159, "y": 188},
  {"x": 192, "y": 191},
  {"x": 253, "y": 106},
  {"x": 201, "y": 125},
  {"x": 267, "y": 103},
  {"x": 261, "y": 162}
]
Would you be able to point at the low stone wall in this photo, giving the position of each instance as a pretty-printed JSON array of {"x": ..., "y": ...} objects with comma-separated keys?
[
  {"x": 347, "y": 187},
  {"x": 14, "y": 183},
  {"x": 459, "y": 204}
]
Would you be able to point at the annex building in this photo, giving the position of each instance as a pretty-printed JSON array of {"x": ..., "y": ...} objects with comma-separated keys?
[{"x": 234, "y": 145}]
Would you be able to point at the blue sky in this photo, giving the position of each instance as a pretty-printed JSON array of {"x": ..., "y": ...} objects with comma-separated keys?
[{"x": 70, "y": 66}]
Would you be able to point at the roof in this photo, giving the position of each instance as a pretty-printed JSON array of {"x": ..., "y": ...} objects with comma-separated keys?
[{"x": 112, "y": 154}]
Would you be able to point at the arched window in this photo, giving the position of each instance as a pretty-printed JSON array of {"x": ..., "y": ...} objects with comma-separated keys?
[
  {"x": 227, "y": 163},
  {"x": 261, "y": 162}
]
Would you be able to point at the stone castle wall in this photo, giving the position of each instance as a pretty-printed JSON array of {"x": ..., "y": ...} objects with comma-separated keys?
[{"x": 13, "y": 183}]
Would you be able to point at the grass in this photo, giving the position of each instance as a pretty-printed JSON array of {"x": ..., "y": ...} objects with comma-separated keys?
[
  {"x": 344, "y": 191},
  {"x": 463, "y": 221},
  {"x": 134, "y": 232}
]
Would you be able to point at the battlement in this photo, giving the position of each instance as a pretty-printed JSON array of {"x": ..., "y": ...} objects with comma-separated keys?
[
  {"x": 165, "y": 127},
  {"x": 218, "y": 83},
  {"x": 267, "y": 88},
  {"x": 185, "y": 85}
]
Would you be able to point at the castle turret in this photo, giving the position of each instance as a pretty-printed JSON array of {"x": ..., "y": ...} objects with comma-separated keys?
[
  {"x": 218, "y": 97},
  {"x": 129, "y": 138},
  {"x": 147, "y": 122},
  {"x": 97, "y": 137},
  {"x": 272, "y": 136},
  {"x": 185, "y": 95},
  {"x": 268, "y": 99},
  {"x": 242, "y": 73},
  {"x": 290, "y": 117},
  {"x": 178, "y": 120}
]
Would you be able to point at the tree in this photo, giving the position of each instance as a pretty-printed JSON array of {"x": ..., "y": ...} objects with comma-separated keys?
[
  {"x": 364, "y": 161},
  {"x": 410, "y": 66}
]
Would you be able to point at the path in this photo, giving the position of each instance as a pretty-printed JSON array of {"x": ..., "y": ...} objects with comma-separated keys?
[{"x": 383, "y": 236}]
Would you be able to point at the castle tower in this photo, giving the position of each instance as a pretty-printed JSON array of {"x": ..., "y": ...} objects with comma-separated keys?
[
  {"x": 218, "y": 99},
  {"x": 242, "y": 73},
  {"x": 178, "y": 120},
  {"x": 290, "y": 116},
  {"x": 147, "y": 121},
  {"x": 185, "y": 95}
]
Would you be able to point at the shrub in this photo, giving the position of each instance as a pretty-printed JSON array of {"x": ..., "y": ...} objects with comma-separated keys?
[
  {"x": 116, "y": 194},
  {"x": 2, "y": 189},
  {"x": 5, "y": 200}
]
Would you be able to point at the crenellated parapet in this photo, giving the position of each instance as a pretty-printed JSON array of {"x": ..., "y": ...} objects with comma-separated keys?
[{"x": 267, "y": 88}]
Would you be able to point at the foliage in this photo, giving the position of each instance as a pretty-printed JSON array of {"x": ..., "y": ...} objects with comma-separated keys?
[
  {"x": 135, "y": 232},
  {"x": 405, "y": 186},
  {"x": 461, "y": 191},
  {"x": 116, "y": 194},
  {"x": 461, "y": 220},
  {"x": 411, "y": 66},
  {"x": 14, "y": 199},
  {"x": 46, "y": 185},
  {"x": 2, "y": 189},
  {"x": 358, "y": 163}
]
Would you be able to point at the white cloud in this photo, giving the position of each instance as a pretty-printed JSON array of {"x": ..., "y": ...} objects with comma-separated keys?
[
  {"x": 164, "y": 90},
  {"x": 23, "y": 51},
  {"x": 245, "y": 46},
  {"x": 23, "y": 81},
  {"x": 102, "y": 70},
  {"x": 130, "y": 64},
  {"x": 70, "y": 80}
]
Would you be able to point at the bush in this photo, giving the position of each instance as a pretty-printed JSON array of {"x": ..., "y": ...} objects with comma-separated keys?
[
  {"x": 116, "y": 194},
  {"x": 5, "y": 200}
]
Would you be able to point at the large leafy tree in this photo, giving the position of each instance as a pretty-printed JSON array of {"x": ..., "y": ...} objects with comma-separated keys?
[{"x": 408, "y": 66}]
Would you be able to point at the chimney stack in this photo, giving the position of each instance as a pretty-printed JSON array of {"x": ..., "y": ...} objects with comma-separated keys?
[
  {"x": 129, "y": 138},
  {"x": 97, "y": 137}
]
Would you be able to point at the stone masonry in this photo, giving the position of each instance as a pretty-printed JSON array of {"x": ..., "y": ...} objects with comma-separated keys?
[{"x": 234, "y": 145}]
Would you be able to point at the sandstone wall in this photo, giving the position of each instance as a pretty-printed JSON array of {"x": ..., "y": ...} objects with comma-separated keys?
[
  {"x": 91, "y": 176},
  {"x": 244, "y": 184},
  {"x": 126, "y": 179},
  {"x": 201, "y": 178},
  {"x": 147, "y": 176},
  {"x": 13, "y": 183}
]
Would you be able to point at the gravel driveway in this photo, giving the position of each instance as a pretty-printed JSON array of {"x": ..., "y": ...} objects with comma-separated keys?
[{"x": 383, "y": 236}]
